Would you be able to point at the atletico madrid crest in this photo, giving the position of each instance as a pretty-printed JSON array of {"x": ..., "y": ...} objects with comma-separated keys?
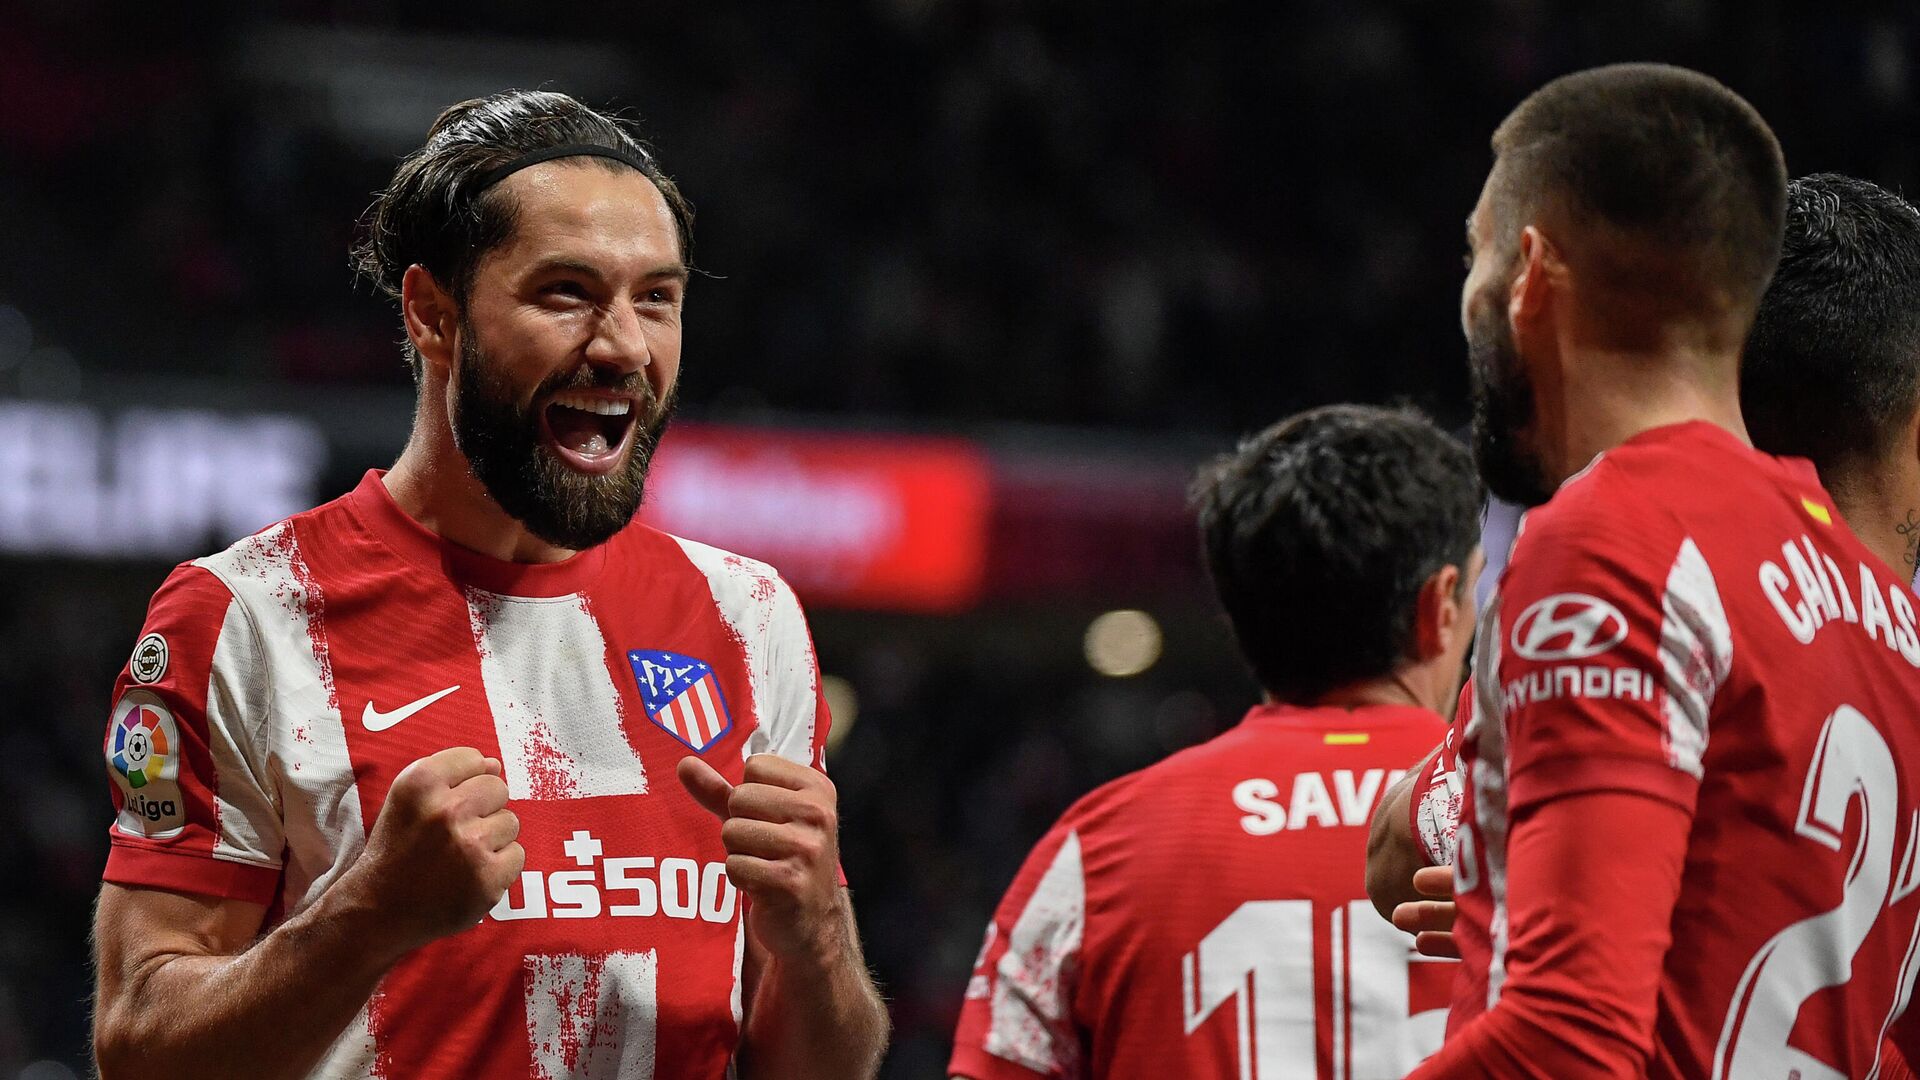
[{"x": 682, "y": 697}]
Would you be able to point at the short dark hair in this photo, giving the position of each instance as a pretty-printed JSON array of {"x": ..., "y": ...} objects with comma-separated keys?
[
  {"x": 1832, "y": 370},
  {"x": 431, "y": 214},
  {"x": 1319, "y": 533},
  {"x": 1663, "y": 157}
]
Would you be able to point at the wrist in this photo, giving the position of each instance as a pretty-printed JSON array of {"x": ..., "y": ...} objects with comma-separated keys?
[
  {"x": 823, "y": 948},
  {"x": 351, "y": 910}
]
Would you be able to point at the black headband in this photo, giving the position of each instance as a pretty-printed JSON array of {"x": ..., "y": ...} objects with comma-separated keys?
[{"x": 638, "y": 160}]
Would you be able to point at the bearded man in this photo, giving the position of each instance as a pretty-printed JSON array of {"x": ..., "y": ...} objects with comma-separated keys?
[{"x": 391, "y": 774}]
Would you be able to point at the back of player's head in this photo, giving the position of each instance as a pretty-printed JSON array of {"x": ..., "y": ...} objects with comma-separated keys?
[
  {"x": 1671, "y": 184},
  {"x": 1320, "y": 532},
  {"x": 441, "y": 212},
  {"x": 1832, "y": 370}
]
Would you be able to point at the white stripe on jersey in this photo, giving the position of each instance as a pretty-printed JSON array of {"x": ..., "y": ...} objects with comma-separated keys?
[
  {"x": 684, "y": 720},
  {"x": 1487, "y": 730},
  {"x": 708, "y": 710},
  {"x": 1035, "y": 974},
  {"x": 1696, "y": 653},
  {"x": 273, "y": 630},
  {"x": 301, "y": 720},
  {"x": 592, "y": 1017},
  {"x": 767, "y": 621},
  {"x": 554, "y": 704},
  {"x": 244, "y": 803}
]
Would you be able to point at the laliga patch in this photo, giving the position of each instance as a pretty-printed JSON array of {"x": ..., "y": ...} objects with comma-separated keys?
[
  {"x": 682, "y": 697},
  {"x": 149, "y": 660},
  {"x": 143, "y": 751}
]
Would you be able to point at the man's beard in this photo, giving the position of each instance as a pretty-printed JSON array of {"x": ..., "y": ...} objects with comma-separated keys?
[
  {"x": 503, "y": 445},
  {"x": 1503, "y": 408}
]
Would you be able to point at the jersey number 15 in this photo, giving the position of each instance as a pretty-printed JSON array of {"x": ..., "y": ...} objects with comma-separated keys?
[{"x": 1262, "y": 959}]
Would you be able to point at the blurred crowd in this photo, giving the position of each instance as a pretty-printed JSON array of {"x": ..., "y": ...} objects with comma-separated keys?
[{"x": 1189, "y": 218}]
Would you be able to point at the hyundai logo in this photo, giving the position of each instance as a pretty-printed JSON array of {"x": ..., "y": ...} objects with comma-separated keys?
[{"x": 1568, "y": 626}]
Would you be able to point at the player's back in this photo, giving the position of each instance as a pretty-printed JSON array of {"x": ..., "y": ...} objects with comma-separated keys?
[
  {"x": 1207, "y": 917},
  {"x": 1691, "y": 620}
]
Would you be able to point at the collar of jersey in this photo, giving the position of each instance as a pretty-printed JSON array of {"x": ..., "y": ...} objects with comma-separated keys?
[
  {"x": 1334, "y": 716},
  {"x": 373, "y": 506}
]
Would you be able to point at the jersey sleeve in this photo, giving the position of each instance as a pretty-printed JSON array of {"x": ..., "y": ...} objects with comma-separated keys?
[
  {"x": 1609, "y": 644},
  {"x": 796, "y": 721},
  {"x": 1434, "y": 802},
  {"x": 196, "y": 810},
  {"x": 1587, "y": 936},
  {"x": 1017, "y": 1021}
]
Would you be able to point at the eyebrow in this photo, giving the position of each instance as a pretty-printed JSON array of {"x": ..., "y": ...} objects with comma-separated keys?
[{"x": 562, "y": 263}]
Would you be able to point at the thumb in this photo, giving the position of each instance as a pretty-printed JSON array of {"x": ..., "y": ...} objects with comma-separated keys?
[{"x": 706, "y": 785}]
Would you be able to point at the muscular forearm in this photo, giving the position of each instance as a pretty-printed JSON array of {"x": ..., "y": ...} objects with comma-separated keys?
[
  {"x": 818, "y": 1018},
  {"x": 268, "y": 1012}
]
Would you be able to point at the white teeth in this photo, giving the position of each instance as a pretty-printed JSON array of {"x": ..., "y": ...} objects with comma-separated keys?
[{"x": 594, "y": 404}]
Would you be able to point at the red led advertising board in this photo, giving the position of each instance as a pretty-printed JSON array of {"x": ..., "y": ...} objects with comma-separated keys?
[{"x": 864, "y": 521}]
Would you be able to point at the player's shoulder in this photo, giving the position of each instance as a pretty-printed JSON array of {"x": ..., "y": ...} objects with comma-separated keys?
[
  {"x": 272, "y": 556},
  {"x": 1635, "y": 504},
  {"x": 750, "y": 594},
  {"x": 1664, "y": 476},
  {"x": 266, "y": 559}
]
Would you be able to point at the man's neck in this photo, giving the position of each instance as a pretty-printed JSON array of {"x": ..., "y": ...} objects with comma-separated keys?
[
  {"x": 433, "y": 484},
  {"x": 1881, "y": 504},
  {"x": 1387, "y": 690},
  {"x": 1606, "y": 398}
]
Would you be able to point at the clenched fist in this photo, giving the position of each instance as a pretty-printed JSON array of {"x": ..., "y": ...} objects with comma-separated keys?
[
  {"x": 780, "y": 827},
  {"x": 443, "y": 849}
]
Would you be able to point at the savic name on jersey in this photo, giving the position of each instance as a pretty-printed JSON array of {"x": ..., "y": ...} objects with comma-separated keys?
[
  {"x": 1104, "y": 959},
  {"x": 1347, "y": 801}
]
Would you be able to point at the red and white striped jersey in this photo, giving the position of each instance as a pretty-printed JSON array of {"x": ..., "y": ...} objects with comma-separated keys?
[
  {"x": 1689, "y": 620},
  {"x": 1207, "y": 917},
  {"x": 282, "y": 684}
]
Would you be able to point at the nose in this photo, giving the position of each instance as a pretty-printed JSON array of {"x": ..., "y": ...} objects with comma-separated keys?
[{"x": 619, "y": 341}]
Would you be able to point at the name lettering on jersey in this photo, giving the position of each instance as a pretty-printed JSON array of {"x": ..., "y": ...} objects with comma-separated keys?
[
  {"x": 1347, "y": 801},
  {"x": 620, "y": 887},
  {"x": 1809, "y": 592},
  {"x": 1579, "y": 681}
]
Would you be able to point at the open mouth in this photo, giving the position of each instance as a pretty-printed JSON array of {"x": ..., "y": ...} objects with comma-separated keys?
[{"x": 589, "y": 431}]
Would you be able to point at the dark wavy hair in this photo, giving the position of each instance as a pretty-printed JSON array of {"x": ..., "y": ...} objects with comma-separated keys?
[
  {"x": 431, "y": 214},
  {"x": 1319, "y": 533},
  {"x": 1832, "y": 369}
]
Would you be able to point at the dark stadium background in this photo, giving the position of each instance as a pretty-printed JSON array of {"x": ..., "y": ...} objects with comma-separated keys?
[{"x": 1073, "y": 247}]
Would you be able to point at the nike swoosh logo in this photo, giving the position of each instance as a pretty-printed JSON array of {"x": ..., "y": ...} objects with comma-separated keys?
[{"x": 379, "y": 721}]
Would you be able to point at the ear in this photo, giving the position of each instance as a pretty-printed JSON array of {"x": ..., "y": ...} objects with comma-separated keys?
[
  {"x": 1531, "y": 295},
  {"x": 431, "y": 316},
  {"x": 1439, "y": 618}
]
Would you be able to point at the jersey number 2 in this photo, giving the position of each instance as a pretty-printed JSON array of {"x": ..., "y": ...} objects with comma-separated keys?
[
  {"x": 1850, "y": 760},
  {"x": 1261, "y": 958}
]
